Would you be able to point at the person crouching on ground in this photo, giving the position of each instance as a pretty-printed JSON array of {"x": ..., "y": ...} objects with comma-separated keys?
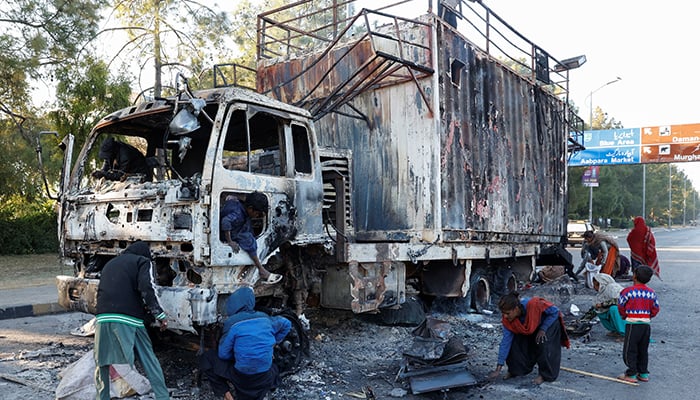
[
  {"x": 606, "y": 304},
  {"x": 638, "y": 304},
  {"x": 244, "y": 354},
  {"x": 533, "y": 333}
]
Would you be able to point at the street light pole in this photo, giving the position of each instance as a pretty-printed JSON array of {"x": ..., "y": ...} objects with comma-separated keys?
[
  {"x": 669, "y": 196},
  {"x": 590, "y": 127}
]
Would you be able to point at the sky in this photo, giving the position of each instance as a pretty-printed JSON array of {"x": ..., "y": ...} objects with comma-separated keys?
[{"x": 649, "y": 45}]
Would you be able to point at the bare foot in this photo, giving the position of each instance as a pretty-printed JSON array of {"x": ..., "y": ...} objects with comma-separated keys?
[
  {"x": 264, "y": 274},
  {"x": 228, "y": 396},
  {"x": 538, "y": 380},
  {"x": 507, "y": 376}
]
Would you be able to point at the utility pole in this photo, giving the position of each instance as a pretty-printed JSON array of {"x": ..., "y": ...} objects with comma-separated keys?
[{"x": 669, "y": 196}]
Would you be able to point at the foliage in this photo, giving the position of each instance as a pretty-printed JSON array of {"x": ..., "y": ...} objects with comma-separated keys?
[
  {"x": 85, "y": 93},
  {"x": 18, "y": 173},
  {"x": 622, "y": 189},
  {"x": 38, "y": 36},
  {"x": 27, "y": 228},
  {"x": 171, "y": 35},
  {"x": 602, "y": 121}
]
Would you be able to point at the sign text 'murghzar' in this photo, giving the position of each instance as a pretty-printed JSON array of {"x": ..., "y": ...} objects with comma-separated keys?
[{"x": 655, "y": 144}]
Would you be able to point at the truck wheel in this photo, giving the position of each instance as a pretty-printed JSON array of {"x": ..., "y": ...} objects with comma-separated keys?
[
  {"x": 511, "y": 283},
  {"x": 479, "y": 291},
  {"x": 291, "y": 351}
]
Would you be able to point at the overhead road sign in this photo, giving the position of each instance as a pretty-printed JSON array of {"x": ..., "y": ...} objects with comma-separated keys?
[{"x": 654, "y": 144}]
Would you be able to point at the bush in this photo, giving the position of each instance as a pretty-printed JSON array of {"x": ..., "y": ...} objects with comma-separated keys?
[{"x": 26, "y": 227}]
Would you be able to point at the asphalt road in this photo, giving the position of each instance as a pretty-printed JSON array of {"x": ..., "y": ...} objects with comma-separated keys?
[{"x": 673, "y": 356}]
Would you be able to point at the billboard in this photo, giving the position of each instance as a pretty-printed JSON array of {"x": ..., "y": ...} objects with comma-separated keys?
[
  {"x": 590, "y": 176},
  {"x": 654, "y": 144}
]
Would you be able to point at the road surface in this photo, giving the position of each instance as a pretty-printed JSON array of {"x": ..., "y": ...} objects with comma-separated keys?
[{"x": 348, "y": 354}]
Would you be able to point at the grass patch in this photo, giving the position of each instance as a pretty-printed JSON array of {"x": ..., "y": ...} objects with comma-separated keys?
[{"x": 31, "y": 270}]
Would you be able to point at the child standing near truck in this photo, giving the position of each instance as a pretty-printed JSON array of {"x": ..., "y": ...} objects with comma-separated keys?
[{"x": 637, "y": 304}]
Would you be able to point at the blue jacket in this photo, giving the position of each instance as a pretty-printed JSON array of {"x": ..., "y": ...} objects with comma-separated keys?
[
  {"x": 249, "y": 336},
  {"x": 234, "y": 218}
]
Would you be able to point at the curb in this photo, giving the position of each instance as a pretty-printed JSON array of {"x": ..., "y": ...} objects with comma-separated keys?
[{"x": 35, "y": 310}]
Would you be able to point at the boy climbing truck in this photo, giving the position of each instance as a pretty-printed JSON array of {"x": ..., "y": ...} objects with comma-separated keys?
[{"x": 396, "y": 156}]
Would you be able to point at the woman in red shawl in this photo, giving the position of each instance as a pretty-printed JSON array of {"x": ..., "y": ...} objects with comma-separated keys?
[
  {"x": 533, "y": 333},
  {"x": 643, "y": 246}
]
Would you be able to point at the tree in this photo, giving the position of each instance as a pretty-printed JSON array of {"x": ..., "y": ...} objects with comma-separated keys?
[
  {"x": 172, "y": 36},
  {"x": 601, "y": 121},
  {"x": 39, "y": 35},
  {"x": 86, "y": 93}
]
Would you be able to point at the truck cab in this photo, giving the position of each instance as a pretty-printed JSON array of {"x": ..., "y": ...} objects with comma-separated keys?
[{"x": 202, "y": 149}]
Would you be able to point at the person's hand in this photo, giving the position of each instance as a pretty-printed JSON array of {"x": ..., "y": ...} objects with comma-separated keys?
[
  {"x": 495, "y": 373},
  {"x": 541, "y": 337},
  {"x": 598, "y": 305},
  {"x": 163, "y": 324},
  {"x": 235, "y": 247}
]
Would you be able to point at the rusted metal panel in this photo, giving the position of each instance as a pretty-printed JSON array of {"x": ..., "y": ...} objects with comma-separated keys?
[
  {"x": 323, "y": 80},
  {"x": 498, "y": 163},
  {"x": 393, "y": 174},
  {"x": 503, "y": 150}
]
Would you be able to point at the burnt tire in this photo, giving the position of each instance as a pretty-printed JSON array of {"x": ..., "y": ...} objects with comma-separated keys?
[
  {"x": 289, "y": 353},
  {"x": 511, "y": 283},
  {"x": 479, "y": 291}
]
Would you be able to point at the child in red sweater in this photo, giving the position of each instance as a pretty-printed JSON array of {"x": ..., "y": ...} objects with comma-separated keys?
[{"x": 637, "y": 305}]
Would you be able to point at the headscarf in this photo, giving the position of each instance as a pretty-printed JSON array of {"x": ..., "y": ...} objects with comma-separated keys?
[
  {"x": 533, "y": 317},
  {"x": 643, "y": 245},
  {"x": 599, "y": 237},
  {"x": 608, "y": 290},
  {"x": 611, "y": 264}
]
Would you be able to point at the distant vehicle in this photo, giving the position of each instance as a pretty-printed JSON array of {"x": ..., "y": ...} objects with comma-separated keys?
[{"x": 575, "y": 230}]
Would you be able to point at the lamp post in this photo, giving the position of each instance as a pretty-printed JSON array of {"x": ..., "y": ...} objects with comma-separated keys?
[
  {"x": 590, "y": 126},
  {"x": 669, "y": 195}
]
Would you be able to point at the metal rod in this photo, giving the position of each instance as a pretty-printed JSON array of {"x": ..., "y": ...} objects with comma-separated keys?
[{"x": 607, "y": 378}]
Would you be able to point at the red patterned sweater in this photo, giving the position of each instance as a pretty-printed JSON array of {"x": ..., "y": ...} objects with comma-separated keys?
[{"x": 638, "y": 303}]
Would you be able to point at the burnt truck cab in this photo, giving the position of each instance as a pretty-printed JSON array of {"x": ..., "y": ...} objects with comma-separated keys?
[{"x": 202, "y": 147}]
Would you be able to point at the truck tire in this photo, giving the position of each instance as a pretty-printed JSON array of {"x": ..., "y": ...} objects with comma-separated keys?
[
  {"x": 293, "y": 348},
  {"x": 479, "y": 291},
  {"x": 511, "y": 283}
]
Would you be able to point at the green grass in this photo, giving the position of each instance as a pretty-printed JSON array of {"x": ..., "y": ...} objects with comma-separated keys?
[{"x": 30, "y": 270}]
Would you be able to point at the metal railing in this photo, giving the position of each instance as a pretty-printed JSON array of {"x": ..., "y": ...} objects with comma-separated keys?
[
  {"x": 305, "y": 26},
  {"x": 319, "y": 27}
]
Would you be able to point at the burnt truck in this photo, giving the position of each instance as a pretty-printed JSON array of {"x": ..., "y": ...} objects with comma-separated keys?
[{"x": 400, "y": 155}]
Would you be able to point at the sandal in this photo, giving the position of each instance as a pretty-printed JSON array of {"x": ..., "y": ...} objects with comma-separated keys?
[
  {"x": 271, "y": 279},
  {"x": 628, "y": 378}
]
